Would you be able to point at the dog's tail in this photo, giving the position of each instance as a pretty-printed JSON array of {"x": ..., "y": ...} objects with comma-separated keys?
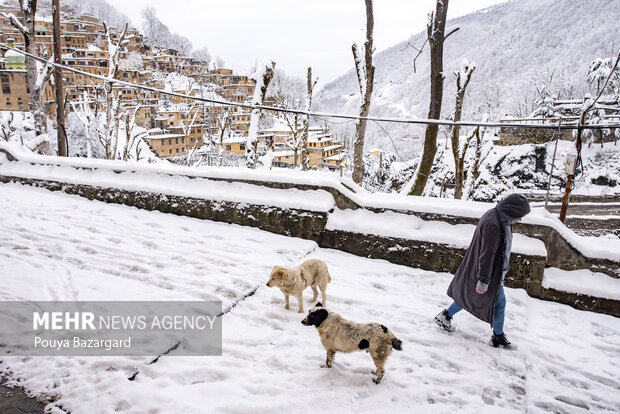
[{"x": 397, "y": 344}]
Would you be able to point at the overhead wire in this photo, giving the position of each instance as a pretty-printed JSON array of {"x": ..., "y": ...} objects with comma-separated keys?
[{"x": 305, "y": 112}]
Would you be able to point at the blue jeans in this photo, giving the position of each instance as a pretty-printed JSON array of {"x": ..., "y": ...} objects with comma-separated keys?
[{"x": 498, "y": 315}]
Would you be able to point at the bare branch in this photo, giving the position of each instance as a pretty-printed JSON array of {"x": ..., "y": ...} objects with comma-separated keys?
[
  {"x": 454, "y": 30},
  {"x": 16, "y": 23},
  {"x": 419, "y": 53},
  {"x": 358, "y": 68}
]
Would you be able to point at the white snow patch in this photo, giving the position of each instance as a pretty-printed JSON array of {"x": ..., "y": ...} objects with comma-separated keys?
[
  {"x": 584, "y": 282},
  {"x": 392, "y": 224},
  {"x": 313, "y": 200}
]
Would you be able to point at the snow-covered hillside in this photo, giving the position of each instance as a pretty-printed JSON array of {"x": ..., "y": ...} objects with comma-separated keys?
[
  {"x": 504, "y": 169},
  {"x": 59, "y": 247},
  {"x": 516, "y": 46}
]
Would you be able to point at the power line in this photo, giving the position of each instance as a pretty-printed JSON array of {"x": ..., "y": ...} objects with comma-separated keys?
[{"x": 419, "y": 121}]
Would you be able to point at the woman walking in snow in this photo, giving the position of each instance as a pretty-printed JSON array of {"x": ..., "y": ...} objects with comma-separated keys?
[{"x": 477, "y": 285}]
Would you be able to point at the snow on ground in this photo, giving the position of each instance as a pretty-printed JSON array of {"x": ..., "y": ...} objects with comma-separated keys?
[{"x": 55, "y": 246}]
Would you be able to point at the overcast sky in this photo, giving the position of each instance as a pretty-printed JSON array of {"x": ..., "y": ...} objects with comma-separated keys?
[{"x": 294, "y": 33}]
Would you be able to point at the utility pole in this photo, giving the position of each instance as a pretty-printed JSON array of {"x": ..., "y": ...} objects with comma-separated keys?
[
  {"x": 571, "y": 160},
  {"x": 60, "y": 103}
]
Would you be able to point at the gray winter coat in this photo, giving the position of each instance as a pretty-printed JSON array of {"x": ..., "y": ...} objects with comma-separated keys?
[{"x": 485, "y": 258}]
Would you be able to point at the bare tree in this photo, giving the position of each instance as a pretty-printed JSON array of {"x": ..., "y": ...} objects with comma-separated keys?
[
  {"x": 223, "y": 122},
  {"x": 479, "y": 158},
  {"x": 105, "y": 126},
  {"x": 218, "y": 63},
  {"x": 290, "y": 92},
  {"x": 109, "y": 136},
  {"x": 132, "y": 147},
  {"x": 365, "y": 76},
  {"x": 436, "y": 36},
  {"x": 310, "y": 84},
  {"x": 156, "y": 33},
  {"x": 89, "y": 120},
  {"x": 295, "y": 141},
  {"x": 264, "y": 75},
  {"x": 465, "y": 72},
  {"x": 36, "y": 78},
  {"x": 202, "y": 55}
]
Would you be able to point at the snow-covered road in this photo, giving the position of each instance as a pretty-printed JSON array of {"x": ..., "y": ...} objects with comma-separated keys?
[{"x": 55, "y": 246}]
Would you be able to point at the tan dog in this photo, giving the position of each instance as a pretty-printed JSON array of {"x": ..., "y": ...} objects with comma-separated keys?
[
  {"x": 293, "y": 280},
  {"x": 341, "y": 335}
]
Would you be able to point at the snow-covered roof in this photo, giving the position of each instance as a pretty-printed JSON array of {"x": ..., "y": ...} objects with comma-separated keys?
[
  {"x": 336, "y": 157},
  {"x": 235, "y": 140},
  {"x": 286, "y": 153},
  {"x": 165, "y": 136},
  {"x": 330, "y": 147},
  {"x": 278, "y": 126},
  {"x": 13, "y": 53},
  {"x": 317, "y": 138}
]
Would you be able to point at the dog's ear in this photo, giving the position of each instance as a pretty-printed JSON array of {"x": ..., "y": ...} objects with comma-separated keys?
[
  {"x": 316, "y": 318},
  {"x": 319, "y": 305}
]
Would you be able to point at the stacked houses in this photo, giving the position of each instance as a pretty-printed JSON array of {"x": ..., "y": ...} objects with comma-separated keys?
[{"x": 175, "y": 124}]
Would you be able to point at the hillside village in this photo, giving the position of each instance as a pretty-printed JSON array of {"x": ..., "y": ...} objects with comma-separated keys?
[{"x": 173, "y": 126}]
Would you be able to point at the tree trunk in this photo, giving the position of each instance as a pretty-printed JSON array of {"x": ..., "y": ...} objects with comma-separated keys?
[
  {"x": 436, "y": 36},
  {"x": 365, "y": 77},
  {"x": 27, "y": 29},
  {"x": 459, "y": 158},
  {"x": 304, "y": 140},
  {"x": 112, "y": 119},
  {"x": 475, "y": 169},
  {"x": 60, "y": 103},
  {"x": 262, "y": 83}
]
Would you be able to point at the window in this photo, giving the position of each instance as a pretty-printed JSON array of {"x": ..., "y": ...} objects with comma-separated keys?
[
  {"x": 170, "y": 150},
  {"x": 8, "y": 101},
  {"x": 177, "y": 150},
  {"x": 228, "y": 147},
  {"x": 6, "y": 87},
  {"x": 242, "y": 147},
  {"x": 176, "y": 140},
  {"x": 170, "y": 142},
  {"x": 182, "y": 140}
]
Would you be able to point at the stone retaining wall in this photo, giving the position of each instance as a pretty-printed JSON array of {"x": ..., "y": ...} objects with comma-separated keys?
[
  {"x": 526, "y": 271},
  {"x": 519, "y": 136},
  {"x": 289, "y": 222}
]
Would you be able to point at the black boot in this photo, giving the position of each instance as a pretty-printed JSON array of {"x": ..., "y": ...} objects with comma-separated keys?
[
  {"x": 500, "y": 340},
  {"x": 444, "y": 320}
]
